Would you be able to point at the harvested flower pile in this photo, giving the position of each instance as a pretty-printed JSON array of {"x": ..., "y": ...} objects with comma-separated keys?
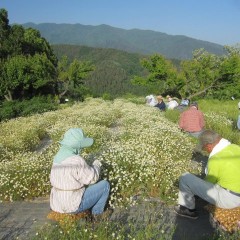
[
  {"x": 65, "y": 217},
  {"x": 227, "y": 219}
]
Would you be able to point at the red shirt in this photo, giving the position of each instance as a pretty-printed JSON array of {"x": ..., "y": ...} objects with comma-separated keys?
[{"x": 192, "y": 120}]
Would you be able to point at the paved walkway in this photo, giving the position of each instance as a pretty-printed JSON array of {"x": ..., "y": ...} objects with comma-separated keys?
[{"x": 20, "y": 220}]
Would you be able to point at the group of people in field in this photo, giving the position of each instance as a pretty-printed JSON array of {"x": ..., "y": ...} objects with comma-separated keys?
[{"x": 76, "y": 186}]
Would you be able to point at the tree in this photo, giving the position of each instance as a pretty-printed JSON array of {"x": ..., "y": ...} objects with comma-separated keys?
[
  {"x": 27, "y": 62},
  {"x": 211, "y": 75},
  {"x": 230, "y": 74},
  {"x": 162, "y": 77},
  {"x": 25, "y": 76},
  {"x": 200, "y": 74},
  {"x": 4, "y": 33},
  {"x": 34, "y": 43},
  {"x": 16, "y": 40},
  {"x": 14, "y": 73},
  {"x": 71, "y": 76}
]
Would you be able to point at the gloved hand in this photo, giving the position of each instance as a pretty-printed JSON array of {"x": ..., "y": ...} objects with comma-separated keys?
[{"x": 97, "y": 163}]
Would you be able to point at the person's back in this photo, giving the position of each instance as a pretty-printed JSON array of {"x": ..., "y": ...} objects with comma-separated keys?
[
  {"x": 161, "y": 104},
  {"x": 192, "y": 120},
  {"x": 171, "y": 103},
  {"x": 224, "y": 168},
  {"x": 150, "y": 100}
]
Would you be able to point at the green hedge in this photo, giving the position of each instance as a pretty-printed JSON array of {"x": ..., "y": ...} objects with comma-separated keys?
[{"x": 13, "y": 109}]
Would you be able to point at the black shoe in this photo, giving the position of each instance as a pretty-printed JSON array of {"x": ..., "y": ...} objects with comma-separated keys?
[{"x": 185, "y": 212}]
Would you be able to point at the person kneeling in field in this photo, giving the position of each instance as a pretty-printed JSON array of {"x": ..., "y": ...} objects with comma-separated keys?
[
  {"x": 192, "y": 120},
  {"x": 70, "y": 174},
  {"x": 221, "y": 185}
]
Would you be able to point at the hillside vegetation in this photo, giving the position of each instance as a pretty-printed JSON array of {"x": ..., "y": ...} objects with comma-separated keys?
[{"x": 113, "y": 69}]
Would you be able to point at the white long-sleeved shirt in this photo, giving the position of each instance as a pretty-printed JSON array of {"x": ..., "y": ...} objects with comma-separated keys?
[{"x": 68, "y": 180}]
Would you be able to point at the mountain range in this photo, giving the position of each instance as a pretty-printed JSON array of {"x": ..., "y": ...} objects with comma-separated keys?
[{"x": 145, "y": 42}]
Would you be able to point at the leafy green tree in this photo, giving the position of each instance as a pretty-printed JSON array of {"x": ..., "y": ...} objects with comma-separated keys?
[
  {"x": 162, "y": 77},
  {"x": 199, "y": 74},
  {"x": 211, "y": 75},
  {"x": 27, "y": 62},
  {"x": 34, "y": 43},
  {"x": 230, "y": 74},
  {"x": 71, "y": 77},
  {"x": 4, "y": 33},
  {"x": 14, "y": 73},
  {"x": 16, "y": 39},
  {"x": 25, "y": 76}
]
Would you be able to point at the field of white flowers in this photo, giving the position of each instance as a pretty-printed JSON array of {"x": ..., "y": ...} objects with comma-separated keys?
[{"x": 142, "y": 152}]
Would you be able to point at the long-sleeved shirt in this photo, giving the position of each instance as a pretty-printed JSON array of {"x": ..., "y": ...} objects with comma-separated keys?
[
  {"x": 68, "y": 180},
  {"x": 192, "y": 120},
  {"x": 161, "y": 106},
  {"x": 172, "y": 104}
]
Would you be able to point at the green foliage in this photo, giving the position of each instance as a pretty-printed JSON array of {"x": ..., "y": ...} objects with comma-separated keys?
[
  {"x": 24, "y": 76},
  {"x": 162, "y": 75},
  {"x": 9, "y": 109},
  {"x": 204, "y": 75},
  {"x": 13, "y": 109},
  {"x": 221, "y": 116},
  {"x": 200, "y": 73},
  {"x": 230, "y": 71},
  {"x": 134, "y": 98},
  {"x": 27, "y": 62},
  {"x": 4, "y": 33},
  {"x": 107, "y": 96},
  {"x": 172, "y": 115},
  {"x": 113, "y": 69},
  {"x": 71, "y": 77}
]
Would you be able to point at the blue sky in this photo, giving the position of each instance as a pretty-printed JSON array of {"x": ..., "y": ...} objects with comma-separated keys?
[{"x": 215, "y": 21}]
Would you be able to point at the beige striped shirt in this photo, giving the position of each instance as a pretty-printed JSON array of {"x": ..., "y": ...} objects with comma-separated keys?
[{"x": 68, "y": 180}]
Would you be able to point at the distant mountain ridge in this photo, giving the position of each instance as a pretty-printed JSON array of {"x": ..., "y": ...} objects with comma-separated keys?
[{"x": 134, "y": 40}]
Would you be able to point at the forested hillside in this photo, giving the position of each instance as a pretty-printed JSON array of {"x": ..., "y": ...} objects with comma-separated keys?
[
  {"x": 113, "y": 68},
  {"x": 135, "y": 40}
]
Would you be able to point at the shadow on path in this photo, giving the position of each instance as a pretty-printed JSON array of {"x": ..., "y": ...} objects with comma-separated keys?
[{"x": 23, "y": 219}]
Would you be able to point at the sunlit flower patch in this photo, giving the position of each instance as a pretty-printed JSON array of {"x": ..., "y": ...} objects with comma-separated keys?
[{"x": 141, "y": 151}]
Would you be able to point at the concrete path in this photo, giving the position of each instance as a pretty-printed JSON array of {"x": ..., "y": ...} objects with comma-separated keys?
[{"x": 20, "y": 220}]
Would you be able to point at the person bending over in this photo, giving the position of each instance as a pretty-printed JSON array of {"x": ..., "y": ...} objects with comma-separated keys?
[
  {"x": 221, "y": 185},
  {"x": 192, "y": 120},
  {"x": 75, "y": 185}
]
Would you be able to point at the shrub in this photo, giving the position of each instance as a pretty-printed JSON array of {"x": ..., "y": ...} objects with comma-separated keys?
[
  {"x": 107, "y": 96},
  {"x": 16, "y": 108}
]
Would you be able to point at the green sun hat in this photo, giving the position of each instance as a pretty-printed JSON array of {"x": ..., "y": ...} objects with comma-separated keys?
[{"x": 76, "y": 139}]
